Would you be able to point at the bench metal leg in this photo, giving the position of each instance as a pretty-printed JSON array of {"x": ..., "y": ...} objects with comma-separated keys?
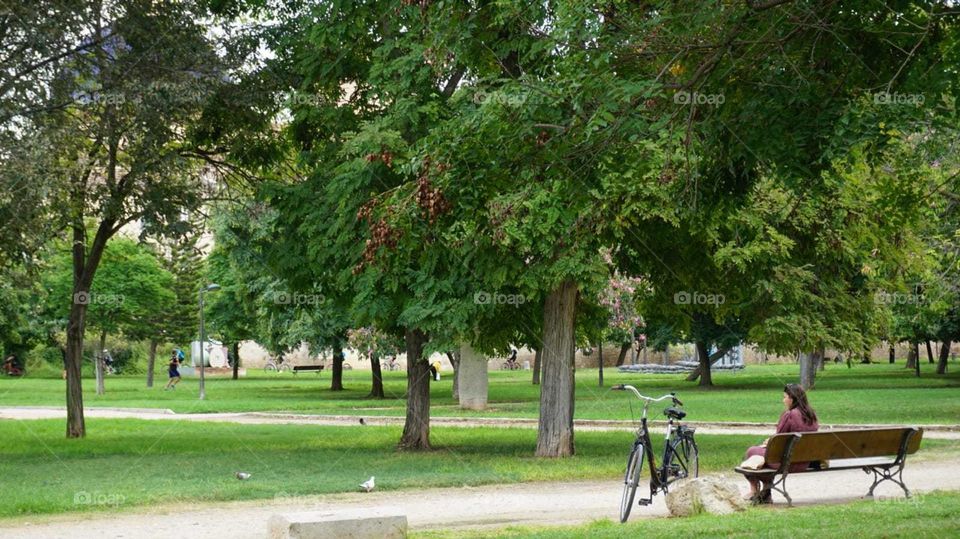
[{"x": 886, "y": 474}]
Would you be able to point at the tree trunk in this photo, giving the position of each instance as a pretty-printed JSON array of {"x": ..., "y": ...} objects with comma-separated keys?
[
  {"x": 893, "y": 353},
  {"x": 99, "y": 362},
  {"x": 416, "y": 428},
  {"x": 537, "y": 357},
  {"x": 713, "y": 357},
  {"x": 865, "y": 358},
  {"x": 912, "y": 354},
  {"x": 944, "y": 355},
  {"x": 555, "y": 432},
  {"x": 84, "y": 269},
  {"x": 236, "y": 360},
  {"x": 624, "y": 348},
  {"x": 916, "y": 355},
  {"x": 808, "y": 369},
  {"x": 376, "y": 388},
  {"x": 822, "y": 362},
  {"x": 666, "y": 354},
  {"x": 703, "y": 354},
  {"x": 151, "y": 361},
  {"x": 454, "y": 358},
  {"x": 76, "y": 427},
  {"x": 929, "y": 353},
  {"x": 600, "y": 352},
  {"x": 336, "y": 376}
]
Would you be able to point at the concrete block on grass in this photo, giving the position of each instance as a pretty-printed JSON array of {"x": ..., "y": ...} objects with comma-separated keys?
[{"x": 351, "y": 524}]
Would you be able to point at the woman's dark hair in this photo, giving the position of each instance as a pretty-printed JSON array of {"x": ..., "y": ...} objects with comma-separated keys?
[{"x": 799, "y": 398}]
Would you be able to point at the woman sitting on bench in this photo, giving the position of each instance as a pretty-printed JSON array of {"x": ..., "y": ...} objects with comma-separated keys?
[{"x": 799, "y": 417}]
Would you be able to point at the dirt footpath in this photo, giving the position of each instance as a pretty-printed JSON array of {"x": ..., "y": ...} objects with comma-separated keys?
[{"x": 468, "y": 507}]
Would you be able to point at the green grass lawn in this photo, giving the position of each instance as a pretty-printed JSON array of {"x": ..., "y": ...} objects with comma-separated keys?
[
  {"x": 926, "y": 515},
  {"x": 878, "y": 393},
  {"x": 130, "y": 463}
]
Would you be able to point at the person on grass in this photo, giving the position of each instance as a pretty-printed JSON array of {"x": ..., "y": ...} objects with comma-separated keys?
[
  {"x": 798, "y": 417},
  {"x": 174, "y": 371}
]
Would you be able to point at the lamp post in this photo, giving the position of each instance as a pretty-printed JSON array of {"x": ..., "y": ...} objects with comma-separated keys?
[{"x": 203, "y": 337}]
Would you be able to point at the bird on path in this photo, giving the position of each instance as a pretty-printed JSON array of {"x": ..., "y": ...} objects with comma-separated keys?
[
  {"x": 362, "y": 422},
  {"x": 368, "y": 485},
  {"x": 242, "y": 475}
]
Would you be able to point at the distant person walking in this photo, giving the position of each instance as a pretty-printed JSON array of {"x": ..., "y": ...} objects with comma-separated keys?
[{"x": 174, "y": 371}]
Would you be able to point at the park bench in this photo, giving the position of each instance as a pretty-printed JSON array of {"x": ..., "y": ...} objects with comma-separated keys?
[
  {"x": 298, "y": 368},
  {"x": 881, "y": 451}
]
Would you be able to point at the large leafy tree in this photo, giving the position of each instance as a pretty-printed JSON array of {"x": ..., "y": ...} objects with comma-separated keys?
[{"x": 117, "y": 146}]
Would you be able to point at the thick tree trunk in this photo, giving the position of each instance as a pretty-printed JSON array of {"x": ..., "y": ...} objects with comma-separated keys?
[
  {"x": 929, "y": 353},
  {"x": 808, "y": 369},
  {"x": 151, "y": 361},
  {"x": 713, "y": 357},
  {"x": 99, "y": 362},
  {"x": 555, "y": 432},
  {"x": 916, "y": 355},
  {"x": 703, "y": 355},
  {"x": 624, "y": 348},
  {"x": 537, "y": 358},
  {"x": 944, "y": 356},
  {"x": 336, "y": 376},
  {"x": 236, "y": 360},
  {"x": 912, "y": 354},
  {"x": 600, "y": 352},
  {"x": 454, "y": 358},
  {"x": 376, "y": 388},
  {"x": 416, "y": 428},
  {"x": 892, "y": 353}
]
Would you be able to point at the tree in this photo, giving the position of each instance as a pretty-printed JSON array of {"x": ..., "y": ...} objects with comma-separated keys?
[{"x": 120, "y": 148}]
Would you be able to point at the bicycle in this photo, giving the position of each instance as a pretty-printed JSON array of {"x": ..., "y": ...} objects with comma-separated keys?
[
  {"x": 680, "y": 455},
  {"x": 276, "y": 366},
  {"x": 510, "y": 365}
]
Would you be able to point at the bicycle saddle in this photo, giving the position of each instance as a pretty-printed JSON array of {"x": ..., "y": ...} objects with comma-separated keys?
[{"x": 675, "y": 413}]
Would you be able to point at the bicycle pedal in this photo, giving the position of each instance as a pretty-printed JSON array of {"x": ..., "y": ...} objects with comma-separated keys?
[{"x": 645, "y": 501}]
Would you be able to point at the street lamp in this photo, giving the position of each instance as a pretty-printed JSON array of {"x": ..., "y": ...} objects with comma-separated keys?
[{"x": 209, "y": 288}]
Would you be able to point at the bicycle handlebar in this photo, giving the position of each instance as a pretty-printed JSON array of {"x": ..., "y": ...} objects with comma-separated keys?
[{"x": 624, "y": 387}]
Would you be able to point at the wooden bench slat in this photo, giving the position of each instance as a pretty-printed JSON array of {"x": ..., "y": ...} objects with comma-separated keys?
[{"x": 843, "y": 444}]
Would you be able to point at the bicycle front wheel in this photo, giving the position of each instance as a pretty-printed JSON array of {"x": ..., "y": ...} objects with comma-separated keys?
[
  {"x": 269, "y": 367},
  {"x": 630, "y": 481},
  {"x": 682, "y": 459}
]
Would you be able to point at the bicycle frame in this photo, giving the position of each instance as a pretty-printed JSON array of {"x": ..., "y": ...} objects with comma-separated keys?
[{"x": 658, "y": 480}]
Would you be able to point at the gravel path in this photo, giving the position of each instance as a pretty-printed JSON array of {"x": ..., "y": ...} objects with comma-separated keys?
[{"x": 473, "y": 507}]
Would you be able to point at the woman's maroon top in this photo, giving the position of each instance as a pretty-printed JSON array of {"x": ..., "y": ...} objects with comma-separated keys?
[{"x": 793, "y": 421}]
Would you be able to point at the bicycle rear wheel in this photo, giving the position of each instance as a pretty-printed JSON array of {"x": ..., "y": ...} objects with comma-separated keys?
[
  {"x": 682, "y": 459},
  {"x": 630, "y": 481},
  {"x": 269, "y": 367},
  {"x": 284, "y": 367}
]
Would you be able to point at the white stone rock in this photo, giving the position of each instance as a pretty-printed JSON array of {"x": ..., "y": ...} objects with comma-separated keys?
[
  {"x": 715, "y": 495},
  {"x": 353, "y": 524}
]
